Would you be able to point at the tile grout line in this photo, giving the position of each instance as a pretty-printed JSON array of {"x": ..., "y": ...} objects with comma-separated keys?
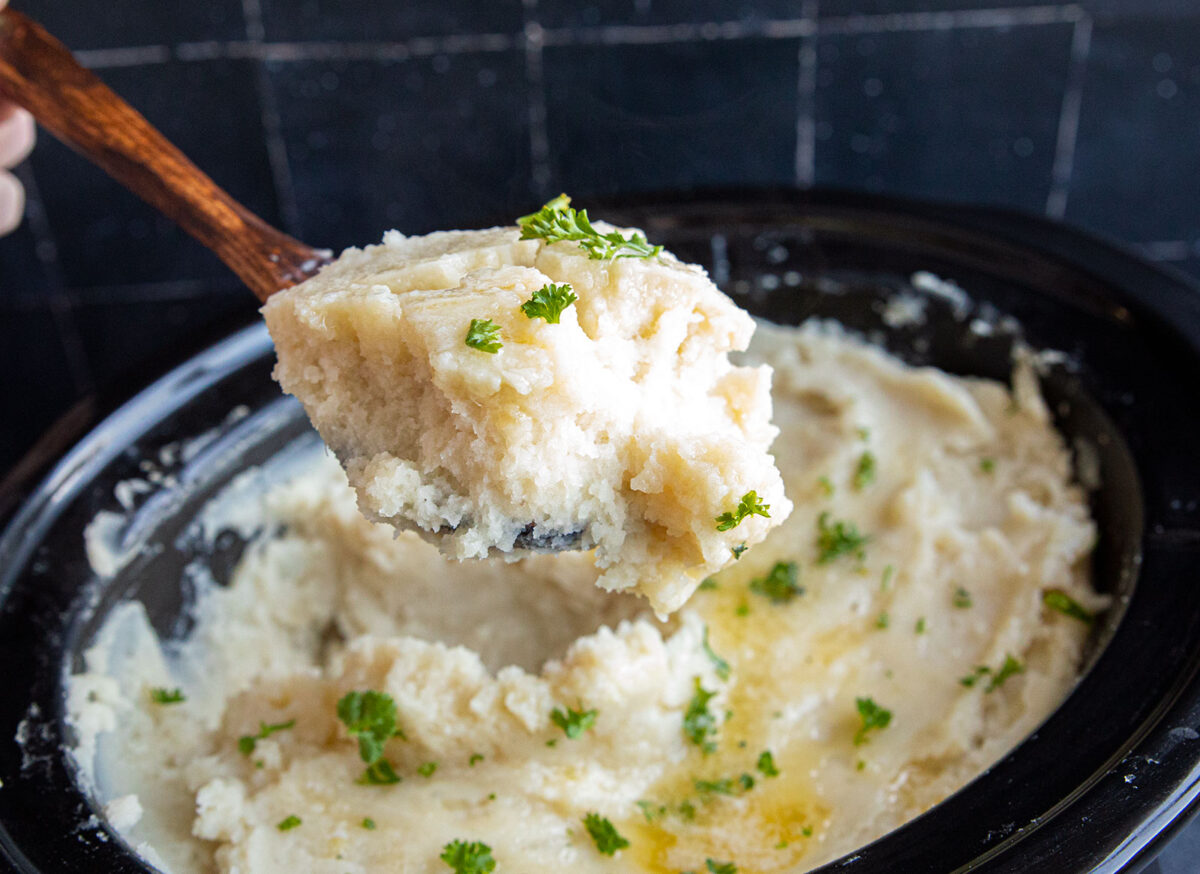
[
  {"x": 535, "y": 81},
  {"x": 61, "y": 309},
  {"x": 649, "y": 34},
  {"x": 806, "y": 93},
  {"x": 281, "y": 171},
  {"x": 1068, "y": 122}
]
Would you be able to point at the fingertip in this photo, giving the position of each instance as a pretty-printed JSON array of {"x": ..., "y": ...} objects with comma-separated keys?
[
  {"x": 17, "y": 135},
  {"x": 12, "y": 203}
]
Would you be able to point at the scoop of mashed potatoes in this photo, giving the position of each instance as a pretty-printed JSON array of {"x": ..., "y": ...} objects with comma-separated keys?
[
  {"x": 461, "y": 410},
  {"x": 879, "y": 649}
]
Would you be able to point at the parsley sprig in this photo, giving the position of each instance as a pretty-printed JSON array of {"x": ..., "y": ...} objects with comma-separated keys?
[
  {"x": 474, "y": 857},
  {"x": 838, "y": 538},
  {"x": 719, "y": 664},
  {"x": 484, "y": 335},
  {"x": 781, "y": 583},
  {"x": 247, "y": 742},
  {"x": 548, "y": 302},
  {"x": 573, "y": 722},
  {"x": 370, "y": 716},
  {"x": 873, "y": 718},
  {"x": 1057, "y": 599},
  {"x": 699, "y": 725},
  {"x": 605, "y": 835},
  {"x": 750, "y": 505},
  {"x": 558, "y": 222},
  {"x": 167, "y": 696}
]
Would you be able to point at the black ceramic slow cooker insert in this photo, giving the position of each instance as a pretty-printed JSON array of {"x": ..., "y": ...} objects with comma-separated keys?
[{"x": 1111, "y": 772}]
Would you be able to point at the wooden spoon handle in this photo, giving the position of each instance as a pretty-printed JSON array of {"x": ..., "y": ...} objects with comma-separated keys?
[{"x": 39, "y": 73}]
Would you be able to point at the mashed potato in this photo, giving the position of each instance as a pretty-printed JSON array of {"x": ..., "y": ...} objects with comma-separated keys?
[
  {"x": 461, "y": 410},
  {"x": 875, "y": 652}
]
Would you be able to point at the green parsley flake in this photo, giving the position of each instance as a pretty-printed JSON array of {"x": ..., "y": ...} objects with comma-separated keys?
[
  {"x": 708, "y": 585},
  {"x": 484, "y": 335},
  {"x": 548, "y": 302},
  {"x": 368, "y": 824},
  {"x": 288, "y": 823},
  {"x": 699, "y": 725},
  {"x": 1057, "y": 599},
  {"x": 475, "y": 757},
  {"x": 427, "y": 769},
  {"x": 987, "y": 465},
  {"x": 650, "y": 810},
  {"x": 920, "y": 627},
  {"x": 750, "y": 505},
  {"x": 246, "y": 743},
  {"x": 873, "y": 717},
  {"x": 468, "y": 858},
  {"x": 606, "y": 837},
  {"x": 371, "y": 717},
  {"x": 826, "y": 486},
  {"x": 962, "y": 598},
  {"x": 719, "y": 664},
  {"x": 558, "y": 222},
  {"x": 380, "y": 773},
  {"x": 886, "y": 580},
  {"x": 882, "y": 620},
  {"x": 807, "y": 831},
  {"x": 766, "y": 764},
  {"x": 780, "y": 584},
  {"x": 742, "y": 609},
  {"x": 738, "y": 550},
  {"x": 864, "y": 474},
  {"x": 167, "y": 696},
  {"x": 1010, "y": 668},
  {"x": 574, "y": 722},
  {"x": 835, "y": 539},
  {"x": 716, "y": 867}
]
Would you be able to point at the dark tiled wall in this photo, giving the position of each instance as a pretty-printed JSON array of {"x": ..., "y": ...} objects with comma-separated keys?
[{"x": 340, "y": 118}]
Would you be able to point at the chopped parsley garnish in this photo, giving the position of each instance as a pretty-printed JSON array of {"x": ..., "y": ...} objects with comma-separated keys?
[
  {"x": 835, "y": 539},
  {"x": 687, "y": 810},
  {"x": 987, "y": 465},
  {"x": 864, "y": 474},
  {"x": 1011, "y": 667},
  {"x": 607, "y": 839},
  {"x": 574, "y": 722},
  {"x": 468, "y": 858},
  {"x": 548, "y": 302},
  {"x": 368, "y": 824},
  {"x": 484, "y": 335},
  {"x": 380, "y": 773},
  {"x": 247, "y": 742},
  {"x": 882, "y": 620},
  {"x": 766, "y": 764},
  {"x": 962, "y": 598},
  {"x": 920, "y": 627},
  {"x": 742, "y": 609},
  {"x": 780, "y": 584},
  {"x": 1057, "y": 599},
  {"x": 558, "y": 222},
  {"x": 738, "y": 550},
  {"x": 716, "y": 867},
  {"x": 708, "y": 585},
  {"x": 167, "y": 696},
  {"x": 826, "y": 486},
  {"x": 719, "y": 664},
  {"x": 725, "y": 785},
  {"x": 475, "y": 757},
  {"x": 427, "y": 769},
  {"x": 750, "y": 505},
  {"x": 886, "y": 579},
  {"x": 371, "y": 717},
  {"x": 650, "y": 810},
  {"x": 288, "y": 823},
  {"x": 873, "y": 718},
  {"x": 699, "y": 725}
]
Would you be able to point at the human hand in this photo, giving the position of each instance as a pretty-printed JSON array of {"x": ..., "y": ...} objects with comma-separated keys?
[{"x": 16, "y": 139}]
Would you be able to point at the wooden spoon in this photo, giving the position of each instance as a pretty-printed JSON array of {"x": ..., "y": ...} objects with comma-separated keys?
[{"x": 40, "y": 73}]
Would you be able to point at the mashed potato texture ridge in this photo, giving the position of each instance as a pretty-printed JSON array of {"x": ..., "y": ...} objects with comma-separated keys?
[
  {"x": 624, "y": 425},
  {"x": 966, "y": 517}
]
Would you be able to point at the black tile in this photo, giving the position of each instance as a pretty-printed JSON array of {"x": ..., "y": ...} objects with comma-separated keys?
[
  {"x": 105, "y": 235},
  {"x": 964, "y": 114},
  {"x": 105, "y": 24},
  {"x": 36, "y": 384},
  {"x": 1136, "y": 159},
  {"x": 417, "y": 145},
  {"x": 651, "y": 117},
  {"x": 635, "y": 12},
  {"x": 22, "y": 275},
  {"x": 374, "y": 21},
  {"x": 130, "y": 343}
]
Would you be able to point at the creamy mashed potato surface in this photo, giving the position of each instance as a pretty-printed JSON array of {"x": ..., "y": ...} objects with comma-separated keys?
[
  {"x": 622, "y": 425},
  {"x": 883, "y": 646}
]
